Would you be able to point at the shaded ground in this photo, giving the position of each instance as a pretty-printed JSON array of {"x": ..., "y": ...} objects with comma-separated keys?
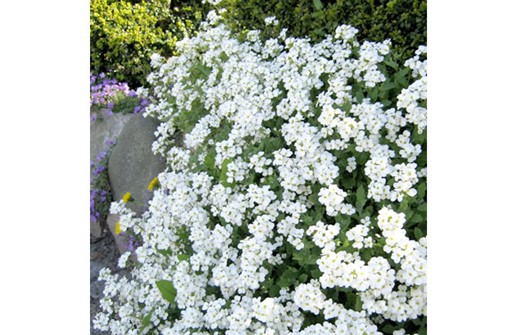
[{"x": 103, "y": 253}]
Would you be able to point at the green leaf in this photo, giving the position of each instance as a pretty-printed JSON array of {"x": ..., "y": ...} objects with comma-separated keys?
[
  {"x": 165, "y": 253},
  {"x": 386, "y": 103},
  {"x": 359, "y": 96},
  {"x": 224, "y": 57},
  {"x": 224, "y": 169},
  {"x": 391, "y": 64},
  {"x": 308, "y": 255},
  {"x": 344, "y": 221},
  {"x": 400, "y": 77},
  {"x": 147, "y": 319},
  {"x": 308, "y": 220},
  {"x": 316, "y": 273},
  {"x": 358, "y": 303},
  {"x": 210, "y": 160},
  {"x": 167, "y": 290},
  {"x": 302, "y": 278},
  {"x": 361, "y": 198},
  {"x": 183, "y": 257},
  {"x": 274, "y": 290},
  {"x": 287, "y": 278},
  {"x": 362, "y": 158},
  {"x": 271, "y": 144},
  {"x": 388, "y": 329},
  {"x": 421, "y": 190},
  {"x": 416, "y": 218},
  {"x": 373, "y": 94},
  {"x": 387, "y": 85},
  {"x": 348, "y": 183},
  {"x": 418, "y": 233},
  {"x": 422, "y": 208},
  {"x": 313, "y": 198},
  {"x": 317, "y": 4}
]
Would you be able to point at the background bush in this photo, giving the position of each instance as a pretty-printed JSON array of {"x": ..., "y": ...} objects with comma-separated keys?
[
  {"x": 124, "y": 35},
  {"x": 403, "y": 21}
]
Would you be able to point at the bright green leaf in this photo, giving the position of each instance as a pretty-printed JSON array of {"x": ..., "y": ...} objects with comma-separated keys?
[
  {"x": 167, "y": 290},
  {"x": 147, "y": 319}
]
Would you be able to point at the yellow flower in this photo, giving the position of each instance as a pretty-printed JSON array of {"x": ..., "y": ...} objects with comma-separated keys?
[
  {"x": 117, "y": 228},
  {"x": 126, "y": 197},
  {"x": 152, "y": 184}
]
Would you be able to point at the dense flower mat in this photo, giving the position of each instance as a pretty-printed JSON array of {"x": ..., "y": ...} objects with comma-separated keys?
[{"x": 298, "y": 203}]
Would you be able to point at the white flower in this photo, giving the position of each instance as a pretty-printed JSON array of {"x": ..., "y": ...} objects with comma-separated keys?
[
  {"x": 308, "y": 297},
  {"x": 271, "y": 20}
]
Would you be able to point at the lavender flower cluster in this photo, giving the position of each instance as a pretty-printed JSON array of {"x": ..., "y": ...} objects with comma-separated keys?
[
  {"x": 100, "y": 192},
  {"x": 109, "y": 96}
]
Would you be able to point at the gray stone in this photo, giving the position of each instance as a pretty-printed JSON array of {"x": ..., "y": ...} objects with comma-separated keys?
[
  {"x": 109, "y": 127},
  {"x": 95, "y": 229},
  {"x": 132, "y": 164}
]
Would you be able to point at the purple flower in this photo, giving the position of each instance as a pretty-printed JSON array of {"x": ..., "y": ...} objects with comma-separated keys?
[
  {"x": 133, "y": 243},
  {"x": 99, "y": 170},
  {"x": 110, "y": 141}
]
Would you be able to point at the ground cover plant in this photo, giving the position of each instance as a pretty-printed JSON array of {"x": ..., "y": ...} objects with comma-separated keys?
[
  {"x": 100, "y": 190},
  {"x": 107, "y": 96},
  {"x": 298, "y": 202}
]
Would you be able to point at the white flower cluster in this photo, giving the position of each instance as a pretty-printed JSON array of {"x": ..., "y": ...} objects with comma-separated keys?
[
  {"x": 332, "y": 197},
  {"x": 359, "y": 235},
  {"x": 324, "y": 235},
  {"x": 309, "y": 297},
  {"x": 410, "y": 99},
  {"x": 275, "y": 117}
]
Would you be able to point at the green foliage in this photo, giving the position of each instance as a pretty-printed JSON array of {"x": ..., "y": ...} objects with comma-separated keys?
[
  {"x": 167, "y": 290},
  {"x": 124, "y": 35},
  {"x": 403, "y": 21}
]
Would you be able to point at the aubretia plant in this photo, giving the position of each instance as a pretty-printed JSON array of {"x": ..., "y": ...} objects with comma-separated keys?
[
  {"x": 100, "y": 190},
  {"x": 298, "y": 203},
  {"x": 107, "y": 96}
]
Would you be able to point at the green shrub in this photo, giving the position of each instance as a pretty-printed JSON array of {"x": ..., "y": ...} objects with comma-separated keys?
[
  {"x": 403, "y": 21},
  {"x": 124, "y": 35}
]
